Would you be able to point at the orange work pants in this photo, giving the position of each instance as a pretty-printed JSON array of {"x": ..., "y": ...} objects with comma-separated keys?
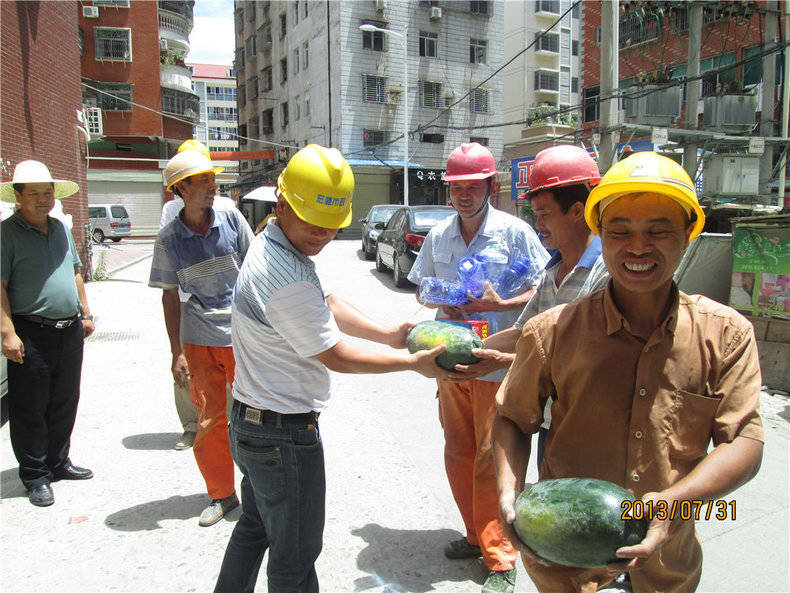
[
  {"x": 466, "y": 412},
  {"x": 211, "y": 367}
]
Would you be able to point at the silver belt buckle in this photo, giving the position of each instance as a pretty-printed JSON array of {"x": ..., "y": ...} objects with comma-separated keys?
[{"x": 63, "y": 323}]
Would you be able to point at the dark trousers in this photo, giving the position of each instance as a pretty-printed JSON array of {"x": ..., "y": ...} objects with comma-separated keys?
[
  {"x": 282, "y": 506},
  {"x": 542, "y": 436},
  {"x": 43, "y": 393}
]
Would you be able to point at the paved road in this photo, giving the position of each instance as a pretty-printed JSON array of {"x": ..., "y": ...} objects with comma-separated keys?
[{"x": 134, "y": 526}]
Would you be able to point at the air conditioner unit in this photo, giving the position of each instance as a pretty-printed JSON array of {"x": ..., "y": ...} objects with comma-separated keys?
[
  {"x": 436, "y": 13},
  {"x": 93, "y": 119},
  {"x": 381, "y": 5},
  {"x": 90, "y": 12}
]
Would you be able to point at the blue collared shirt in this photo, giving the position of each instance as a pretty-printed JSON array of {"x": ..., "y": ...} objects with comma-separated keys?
[
  {"x": 444, "y": 248},
  {"x": 206, "y": 266}
]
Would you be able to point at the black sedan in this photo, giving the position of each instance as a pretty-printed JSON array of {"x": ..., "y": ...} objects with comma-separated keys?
[
  {"x": 400, "y": 241},
  {"x": 373, "y": 224}
]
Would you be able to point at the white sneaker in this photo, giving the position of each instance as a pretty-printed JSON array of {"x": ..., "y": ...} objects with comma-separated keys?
[
  {"x": 218, "y": 509},
  {"x": 186, "y": 441}
]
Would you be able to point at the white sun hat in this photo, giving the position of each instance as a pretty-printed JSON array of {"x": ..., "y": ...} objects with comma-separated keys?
[{"x": 36, "y": 172}]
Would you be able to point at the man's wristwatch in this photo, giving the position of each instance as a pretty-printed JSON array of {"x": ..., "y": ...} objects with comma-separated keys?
[{"x": 86, "y": 317}]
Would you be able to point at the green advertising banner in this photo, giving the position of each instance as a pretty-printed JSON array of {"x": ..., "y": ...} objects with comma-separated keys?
[{"x": 761, "y": 269}]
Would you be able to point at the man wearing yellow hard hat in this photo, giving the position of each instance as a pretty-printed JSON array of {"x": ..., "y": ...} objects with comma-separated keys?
[
  {"x": 642, "y": 378},
  {"x": 286, "y": 338},
  {"x": 200, "y": 253}
]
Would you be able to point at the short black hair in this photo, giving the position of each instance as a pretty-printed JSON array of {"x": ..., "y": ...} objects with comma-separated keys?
[
  {"x": 567, "y": 195},
  {"x": 21, "y": 186}
]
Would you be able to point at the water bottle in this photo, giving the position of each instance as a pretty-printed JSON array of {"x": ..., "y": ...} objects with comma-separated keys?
[
  {"x": 472, "y": 276},
  {"x": 517, "y": 275},
  {"x": 441, "y": 292}
]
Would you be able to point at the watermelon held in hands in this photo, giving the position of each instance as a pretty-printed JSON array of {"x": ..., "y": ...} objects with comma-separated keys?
[
  {"x": 577, "y": 521},
  {"x": 458, "y": 340}
]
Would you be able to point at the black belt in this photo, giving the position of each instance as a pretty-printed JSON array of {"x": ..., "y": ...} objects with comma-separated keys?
[
  {"x": 56, "y": 323},
  {"x": 258, "y": 416}
]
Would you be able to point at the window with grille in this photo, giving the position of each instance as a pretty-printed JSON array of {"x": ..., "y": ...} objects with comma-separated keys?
[
  {"x": 252, "y": 88},
  {"x": 373, "y": 40},
  {"x": 478, "y": 101},
  {"x": 222, "y": 113},
  {"x": 295, "y": 6},
  {"x": 306, "y": 105},
  {"x": 477, "y": 51},
  {"x": 220, "y": 133},
  {"x": 252, "y": 46},
  {"x": 283, "y": 25},
  {"x": 284, "y": 114},
  {"x": 296, "y": 60},
  {"x": 374, "y": 89},
  {"x": 547, "y": 42},
  {"x": 479, "y": 7},
  {"x": 550, "y": 6},
  {"x": 266, "y": 79},
  {"x": 113, "y": 43},
  {"x": 432, "y": 138},
  {"x": 483, "y": 141},
  {"x": 119, "y": 97},
  {"x": 283, "y": 70},
  {"x": 267, "y": 121},
  {"x": 304, "y": 9},
  {"x": 431, "y": 94},
  {"x": 574, "y": 48},
  {"x": 591, "y": 106},
  {"x": 636, "y": 28},
  {"x": 371, "y": 138},
  {"x": 546, "y": 80},
  {"x": 428, "y": 43},
  {"x": 297, "y": 108},
  {"x": 305, "y": 53}
]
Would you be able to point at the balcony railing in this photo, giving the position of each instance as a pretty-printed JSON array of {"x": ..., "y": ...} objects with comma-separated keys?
[
  {"x": 184, "y": 8},
  {"x": 174, "y": 75},
  {"x": 181, "y": 103}
]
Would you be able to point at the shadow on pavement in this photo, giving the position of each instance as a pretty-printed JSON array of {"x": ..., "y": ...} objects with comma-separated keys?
[
  {"x": 146, "y": 516},
  {"x": 10, "y": 484},
  {"x": 410, "y": 560},
  {"x": 151, "y": 441}
]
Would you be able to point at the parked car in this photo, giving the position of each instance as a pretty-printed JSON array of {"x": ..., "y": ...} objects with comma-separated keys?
[
  {"x": 375, "y": 221},
  {"x": 400, "y": 241},
  {"x": 109, "y": 221}
]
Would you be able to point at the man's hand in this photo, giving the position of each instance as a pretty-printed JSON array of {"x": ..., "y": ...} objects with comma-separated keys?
[
  {"x": 490, "y": 361},
  {"x": 507, "y": 512},
  {"x": 88, "y": 327},
  {"x": 425, "y": 363},
  {"x": 180, "y": 370},
  {"x": 452, "y": 311},
  {"x": 488, "y": 301},
  {"x": 13, "y": 348},
  {"x": 398, "y": 333},
  {"x": 657, "y": 533}
]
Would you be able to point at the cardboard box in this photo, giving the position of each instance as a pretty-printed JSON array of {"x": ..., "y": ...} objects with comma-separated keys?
[{"x": 478, "y": 326}]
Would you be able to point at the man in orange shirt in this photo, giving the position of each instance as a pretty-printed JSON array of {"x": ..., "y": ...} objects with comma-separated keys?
[{"x": 642, "y": 377}]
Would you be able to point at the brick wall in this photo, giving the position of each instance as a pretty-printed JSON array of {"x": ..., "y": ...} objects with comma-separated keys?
[{"x": 40, "y": 95}]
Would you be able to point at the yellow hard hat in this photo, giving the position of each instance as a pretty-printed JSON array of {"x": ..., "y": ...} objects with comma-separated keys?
[
  {"x": 195, "y": 145},
  {"x": 187, "y": 163},
  {"x": 318, "y": 184},
  {"x": 645, "y": 172}
]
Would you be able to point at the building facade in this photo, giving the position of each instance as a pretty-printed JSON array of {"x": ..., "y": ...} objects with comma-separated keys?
[
  {"x": 306, "y": 75},
  {"x": 215, "y": 86},
  {"x": 138, "y": 98},
  {"x": 40, "y": 100}
]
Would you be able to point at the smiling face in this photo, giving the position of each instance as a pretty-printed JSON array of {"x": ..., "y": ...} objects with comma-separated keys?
[
  {"x": 643, "y": 237},
  {"x": 468, "y": 196},
  {"x": 308, "y": 238},
  {"x": 556, "y": 227},
  {"x": 35, "y": 201}
]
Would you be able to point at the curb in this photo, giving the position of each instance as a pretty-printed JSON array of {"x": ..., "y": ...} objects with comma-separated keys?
[{"x": 129, "y": 264}]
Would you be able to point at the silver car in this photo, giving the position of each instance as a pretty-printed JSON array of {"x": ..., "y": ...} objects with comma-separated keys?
[{"x": 110, "y": 221}]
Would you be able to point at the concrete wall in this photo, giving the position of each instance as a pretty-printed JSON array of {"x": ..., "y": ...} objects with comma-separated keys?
[{"x": 773, "y": 341}]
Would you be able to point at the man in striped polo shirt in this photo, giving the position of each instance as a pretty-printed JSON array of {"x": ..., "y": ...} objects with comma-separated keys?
[
  {"x": 201, "y": 252},
  {"x": 286, "y": 335}
]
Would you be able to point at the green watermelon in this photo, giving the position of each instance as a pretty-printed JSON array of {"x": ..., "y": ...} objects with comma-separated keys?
[
  {"x": 576, "y": 521},
  {"x": 459, "y": 341}
]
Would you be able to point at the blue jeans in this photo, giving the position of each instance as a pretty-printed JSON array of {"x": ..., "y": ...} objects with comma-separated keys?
[{"x": 283, "y": 491}]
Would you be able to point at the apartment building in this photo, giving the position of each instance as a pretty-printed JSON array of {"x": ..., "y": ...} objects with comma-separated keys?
[
  {"x": 307, "y": 75},
  {"x": 138, "y": 99},
  {"x": 215, "y": 86}
]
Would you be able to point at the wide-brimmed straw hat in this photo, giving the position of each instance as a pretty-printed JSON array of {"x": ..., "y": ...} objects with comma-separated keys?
[{"x": 36, "y": 172}]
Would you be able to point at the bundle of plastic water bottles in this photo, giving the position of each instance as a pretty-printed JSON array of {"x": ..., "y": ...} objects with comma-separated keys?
[{"x": 490, "y": 265}]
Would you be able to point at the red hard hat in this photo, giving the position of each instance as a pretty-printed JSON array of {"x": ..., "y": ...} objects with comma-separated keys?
[
  {"x": 470, "y": 162},
  {"x": 561, "y": 165}
]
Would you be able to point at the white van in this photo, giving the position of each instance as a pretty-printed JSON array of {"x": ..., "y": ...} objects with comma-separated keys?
[{"x": 109, "y": 221}]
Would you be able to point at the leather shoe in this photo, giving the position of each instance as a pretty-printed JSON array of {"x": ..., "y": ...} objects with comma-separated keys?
[
  {"x": 41, "y": 495},
  {"x": 72, "y": 472}
]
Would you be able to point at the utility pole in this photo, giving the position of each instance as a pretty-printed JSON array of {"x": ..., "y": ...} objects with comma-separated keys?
[
  {"x": 610, "y": 78},
  {"x": 784, "y": 201},
  {"x": 769, "y": 95},
  {"x": 693, "y": 88}
]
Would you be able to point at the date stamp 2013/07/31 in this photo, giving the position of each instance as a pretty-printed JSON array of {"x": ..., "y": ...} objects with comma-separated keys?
[{"x": 720, "y": 510}]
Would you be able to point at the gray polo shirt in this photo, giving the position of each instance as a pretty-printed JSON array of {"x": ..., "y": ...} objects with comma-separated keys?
[{"x": 39, "y": 268}]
